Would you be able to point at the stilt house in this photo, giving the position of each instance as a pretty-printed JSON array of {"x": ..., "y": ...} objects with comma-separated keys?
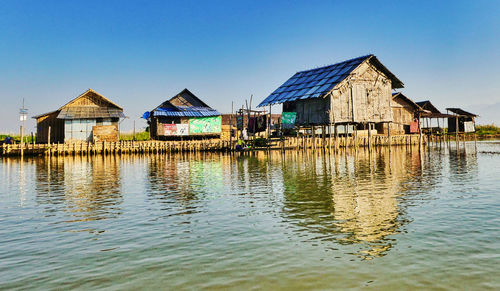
[
  {"x": 88, "y": 117},
  {"x": 183, "y": 115},
  {"x": 404, "y": 112},
  {"x": 427, "y": 105},
  {"x": 356, "y": 91},
  {"x": 431, "y": 113},
  {"x": 463, "y": 119}
]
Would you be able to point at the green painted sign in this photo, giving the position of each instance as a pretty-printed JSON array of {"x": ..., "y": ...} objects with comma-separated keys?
[
  {"x": 288, "y": 117},
  {"x": 210, "y": 124}
]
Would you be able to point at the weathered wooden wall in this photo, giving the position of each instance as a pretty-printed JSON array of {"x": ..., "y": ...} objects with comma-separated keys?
[
  {"x": 90, "y": 99},
  {"x": 309, "y": 111},
  {"x": 403, "y": 114},
  {"x": 364, "y": 96},
  {"x": 56, "y": 128},
  {"x": 105, "y": 133}
]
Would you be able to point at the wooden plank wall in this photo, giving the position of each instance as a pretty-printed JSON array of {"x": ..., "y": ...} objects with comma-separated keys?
[
  {"x": 56, "y": 128},
  {"x": 365, "y": 96},
  {"x": 105, "y": 133}
]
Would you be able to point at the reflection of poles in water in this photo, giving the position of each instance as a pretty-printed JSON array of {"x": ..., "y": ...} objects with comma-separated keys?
[
  {"x": 419, "y": 131},
  {"x": 420, "y": 158},
  {"x": 22, "y": 188},
  {"x": 390, "y": 162}
]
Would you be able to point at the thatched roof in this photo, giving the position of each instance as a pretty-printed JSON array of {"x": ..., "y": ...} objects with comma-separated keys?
[{"x": 71, "y": 111}]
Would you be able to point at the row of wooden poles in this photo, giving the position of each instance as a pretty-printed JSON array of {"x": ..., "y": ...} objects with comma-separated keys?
[{"x": 131, "y": 147}]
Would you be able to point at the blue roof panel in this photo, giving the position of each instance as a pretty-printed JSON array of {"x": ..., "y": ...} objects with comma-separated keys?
[
  {"x": 184, "y": 111},
  {"x": 313, "y": 83}
]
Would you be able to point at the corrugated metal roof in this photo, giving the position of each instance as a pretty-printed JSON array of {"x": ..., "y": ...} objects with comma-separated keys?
[
  {"x": 313, "y": 83},
  {"x": 184, "y": 104},
  {"x": 317, "y": 82},
  {"x": 84, "y": 112},
  {"x": 460, "y": 111},
  {"x": 184, "y": 111}
]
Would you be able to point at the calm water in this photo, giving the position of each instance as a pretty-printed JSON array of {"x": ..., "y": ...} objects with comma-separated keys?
[{"x": 297, "y": 220}]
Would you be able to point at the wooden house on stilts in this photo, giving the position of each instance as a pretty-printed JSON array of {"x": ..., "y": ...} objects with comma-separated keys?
[
  {"x": 88, "y": 117},
  {"x": 183, "y": 115},
  {"x": 405, "y": 113},
  {"x": 462, "y": 120},
  {"x": 430, "y": 114},
  {"x": 355, "y": 92}
]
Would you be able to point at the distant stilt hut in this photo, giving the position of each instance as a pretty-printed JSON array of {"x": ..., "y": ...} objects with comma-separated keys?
[
  {"x": 405, "y": 113},
  {"x": 353, "y": 92},
  {"x": 183, "y": 115},
  {"x": 88, "y": 117},
  {"x": 431, "y": 113},
  {"x": 466, "y": 120}
]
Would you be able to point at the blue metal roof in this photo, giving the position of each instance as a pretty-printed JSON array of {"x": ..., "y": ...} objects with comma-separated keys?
[
  {"x": 313, "y": 83},
  {"x": 185, "y": 111},
  {"x": 184, "y": 104}
]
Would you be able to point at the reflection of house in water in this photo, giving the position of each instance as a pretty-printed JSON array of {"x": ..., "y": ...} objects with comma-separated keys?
[
  {"x": 85, "y": 188},
  {"x": 463, "y": 162},
  {"x": 358, "y": 201},
  {"x": 183, "y": 178}
]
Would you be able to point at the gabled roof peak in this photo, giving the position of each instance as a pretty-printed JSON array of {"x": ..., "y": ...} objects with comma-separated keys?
[
  {"x": 182, "y": 106},
  {"x": 315, "y": 83},
  {"x": 338, "y": 63},
  {"x": 90, "y": 90}
]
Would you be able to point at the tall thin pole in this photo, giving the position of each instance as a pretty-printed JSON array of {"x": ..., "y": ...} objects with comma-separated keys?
[
  {"x": 134, "y": 130},
  {"x": 22, "y": 141},
  {"x": 231, "y": 126},
  {"x": 23, "y": 118},
  {"x": 419, "y": 131},
  {"x": 389, "y": 134}
]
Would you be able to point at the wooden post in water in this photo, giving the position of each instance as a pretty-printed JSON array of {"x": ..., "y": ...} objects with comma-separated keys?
[
  {"x": 345, "y": 136},
  {"x": 22, "y": 142},
  {"x": 437, "y": 134},
  {"x": 330, "y": 137},
  {"x": 335, "y": 135},
  {"x": 389, "y": 141},
  {"x": 323, "y": 132},
  {"x": 269, "y": 128},
  {"x": 419, "y": 131},
  {"x": 231, "y": 124},
  {"x": 369, "y": 137},
  {"x": 355, "y": 136},
  {"x": 313, "y": 132}
]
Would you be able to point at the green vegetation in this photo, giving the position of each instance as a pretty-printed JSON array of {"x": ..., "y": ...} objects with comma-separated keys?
[
  {"x": 140, "y": 136},
  {"x": 489, "y": 129},
  {"x": 260, "y": 142},
  {"x": 17, "y": 138}
]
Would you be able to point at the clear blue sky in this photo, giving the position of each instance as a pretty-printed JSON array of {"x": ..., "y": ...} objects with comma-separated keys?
[{"x": 139, "y": 53}]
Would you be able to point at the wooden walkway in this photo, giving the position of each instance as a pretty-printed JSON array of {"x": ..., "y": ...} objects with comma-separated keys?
[{"x": 214, "y": 145}]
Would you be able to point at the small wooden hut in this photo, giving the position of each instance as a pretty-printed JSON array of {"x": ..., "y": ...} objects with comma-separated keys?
[
  {"x": 431, "y": 113},
  {"x": 405, "y": 112},
  {"x": 427, "y": 105},
  {"x": 88, "y": 117},
  {"x": 356, "y": 91},
  {"x": 183, "y": 115},
  {"x": 466, "y": 121}
]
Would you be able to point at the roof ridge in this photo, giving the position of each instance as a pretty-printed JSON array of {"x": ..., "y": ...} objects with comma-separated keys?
[{"x": 338, "y": 63}]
